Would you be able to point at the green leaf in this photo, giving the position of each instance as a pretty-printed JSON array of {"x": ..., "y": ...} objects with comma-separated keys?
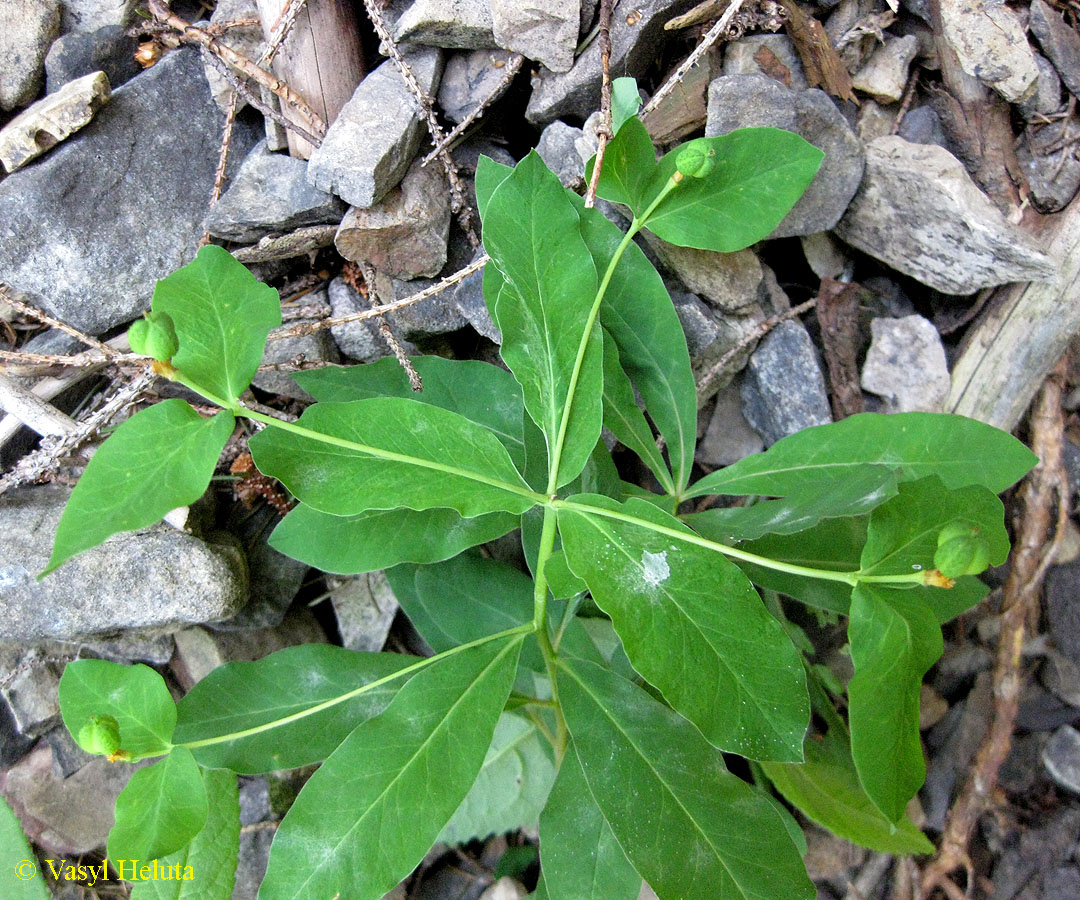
[
  {"x": 639, "y": 315},
  {"x": 562, "y": 583},
  {"x": 136, "y": 696},
  {"x": 894, "y": 640},
  {"x": 958, "y": 450},
  {"x": 962, "y": 596},
  {"x": 868, "y": 487},
  {"x": 693, "y": 626},
  {"x": 691, "y": 829},
  {"x": 246, "y": 699},
  {"x": 758, "y": 175},
  {"x": 370, "y": 813},
  {"x": 222, "y": 317},
  {"x": 580, "y": 856},
  {"x": 17, "y": 857},
  {"x": 206, "y": 867},
  {"x": 826, "y": 789},
  {"x": 380, "y": 538},
  {"x": 479, "y": 391},
  {"x": 512, "y": 786},
  {"x": 489, "y": 175},
  {"x": 625, "y": 102},
  {"x": 159, "y": 459},
  {"x": 625, "y": 420},
  {"x": 391, "y": 452},
  {"x": 629, "y": 168},
  {"x": 532, "y": 233},
  {"x": 162, "y": 808},
  {"x": 903, "y": 533}
]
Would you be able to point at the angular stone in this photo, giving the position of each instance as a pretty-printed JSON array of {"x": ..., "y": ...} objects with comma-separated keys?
[
  {"x": 1053, "y": 175},
  {"x": 468, "y": 80},
  {"x": 371, "y": 143},
  {"x": 825, "y": 255},
  {"x": 1059, "y": 41},
  {"x": 90, "y": 228},
  {"x": 885, "y": 74},
  {"x": 468, "y": 297},
  {"x": 446, "y": 23},
  {"x": 728, "y": 437},
  {"x": 712, "y": 337},
  {"x": 405, "y": 233},
  {"x": 757, "y": 100},
  {"x": 922, "y": 125},
  {"x": 365, "y": 607},
  {"x": 990, "y": 44},
  {"x": 749, "y": 56},
  {"x": 28, "y": 682},
  {"x": 107, "y": 50},
  {"x": 906, "y": 365},
  {"x": 52, "y": 119},
  {"x": 919, "y": 211},
  {"x": 316, "y": 347},
  {"x": 156, "y": 578},
  {"x": 90, "y": 15},
  {"x": 637, "y": 33},
  {"x": 359, "y": 340},
  {"x": 784, "y": 390},
  {"x": 874, "y": 120},
  {"x": 558, "y": 149},
  {"x": 270, "y": 193},
  {"x": 27, "y": 28},
  {"x": 728, "y": 281},
  {"x": 544, "y": 30},
  {"x": 1061, "y": 757},
  {"x": 435, "y": 315},
  {"x": 1047, "y": 96}
]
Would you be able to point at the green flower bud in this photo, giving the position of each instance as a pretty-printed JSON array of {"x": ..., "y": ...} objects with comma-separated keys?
[
  {"x": 154, "y": 336},
  {"x": 961, "y": 550},
  {"x": 100, "y": 735},
  {"x": 696, "y": 159}
]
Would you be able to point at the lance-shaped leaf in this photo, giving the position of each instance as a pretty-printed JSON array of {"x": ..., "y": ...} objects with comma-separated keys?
[
  {"x": 370, "y": 813},
  {"x": 532, "y": 232},
  {"x": 380, "y": 538},
  {"x": 692, "y": 625},
  {"x": 222, "y": 316},
  {"x": 579, "y": 855},
  {"x": 16, "y": 856},
  {"x": 162, "y": 808},
  {"x": 389, "y": 452},
  {"x": 625, "y": 102},
  {"x": 481, "y": 392},
  {"x": 289, "y": 709},
  {"x": 629, "y": 168},
  {"x": 211, "y": 855},
  {"x": 157, "y": 460},
  {"x": 894, "y": 640},
  {"x": 691, "y": 829},
  {"x": 136, "y": 696},
  {"x": 960, "y": 451},
  {"x": 903, "y": 533}
]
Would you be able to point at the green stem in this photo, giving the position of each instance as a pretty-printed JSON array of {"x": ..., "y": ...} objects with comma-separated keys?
[
  {"x": 363, "y": 689},
  {"x": 540, "y": 592}
]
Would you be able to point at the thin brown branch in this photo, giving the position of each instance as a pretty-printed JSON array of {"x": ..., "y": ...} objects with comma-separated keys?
[
  {"x": 6, "y": 296},
  {"x": 905, "y": 101},
  {"x": 1045, "y": 487},
  {"x": 386, "y": 331},
  {"x": 280, "y": 30},
  {"x": 223, "y": 157},
  {"x": 284, "y": 246},
  {"x": 604, "y": 131}
]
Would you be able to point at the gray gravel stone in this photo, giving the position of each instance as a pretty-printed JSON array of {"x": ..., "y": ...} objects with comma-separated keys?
[
  {"x": 1047, "y": 96},
  {"x": 922, "y": 125},
  {"x": 365, "y": 607},
  {"x": 107, "y": 50},
  {"x": 270, "y": 193},
  {"x": 91, "y": 227},
  {"x": 919, "y": 211},
  {"x": 27, "y": 28},
  {"x": 885, "y": 75},
  {"x": 784, "y": 390},
  {"x": 247, "y": 41},
  {"x": 436, "y": 315},
  {"x": 28, "y": 683},
  {"x": 739, "y": 58},
  {"x": 544, "y": 30},
  {"x": 1052, "y": 175},
  {"x": 757, "y": 100},
  {"x": 1061, "y": 757},
  {"x": 68, "y": 757},
  {"x": 371, "y": 143},
  {"x": 446, "y": 23},
  {"x": 728, "y": 281},
  {"x": 557, "y": 147},
  {"x": 1063, "y": 608},
  {"x": 990, "y": 44},
  {"x": 1058, "y": 41},
  {"x": 728, "y": 437},
  {"x": 90, "y": 15},
  {"x": 358, "y": 340},
  {"x": 317, "y": 347},
  {"x": 906, "y": 365},
  {"x": 468, "y": 80},
  {"x": 468, "y": 299},
  {"x": 157, "y": 578}
]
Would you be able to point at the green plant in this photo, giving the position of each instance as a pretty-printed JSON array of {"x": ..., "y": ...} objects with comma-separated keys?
[{"x": 607, "y": 722}]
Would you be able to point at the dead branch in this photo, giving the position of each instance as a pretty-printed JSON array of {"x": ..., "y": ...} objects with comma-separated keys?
[
  {"x": 384, "y": 327},
  {"x": 26, "y": 406},
  {"x": 6, "y": 296},
  {"x": 604, "y": 131},
  {"x": 1044, "y": 487},
  {"x": 223, "y": 156}
]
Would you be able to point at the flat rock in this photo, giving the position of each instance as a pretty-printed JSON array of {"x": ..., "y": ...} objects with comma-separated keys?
[
  {"x": 1063, "y": 608},
  {"x": 52, "y": 119},
  {"x": 759, "y": 54},
  {"x": 468, "y": 80},
  {"x": 371, "y": 143},
  {"x": 270, "y": 193},
  {"x": 1059, "y": 42},
  {"x": 728, "y": 436},
  {"x": 906, "y": 365},
  {"x": 740, "y": 101},
  {"x": 90, "y": 15},
  {"x": 1061, "y": 757},
  {"x": 919, "y": 211},
  {"x": 157, "y": 578},
  {"x": 406, "y": 232},
  {"x": 544, "y": 30},
  {"x": 91, "y": 227},
  {"x": 728, "y": 281},
  {"x": 558, "y": 149},
  {"x": 990, "y": 45},
  {"x": 446, "y": 23},
  {"x": 28, "y": 682},
  {"x": 27, "y": 28},
  {"x": 637, "y": 33},
  {"x": 783, "y": 390},
  {"x": 884, "y": 76},
  {"x": 365, "y": 607},
  {"x": 108, "y": 50}
]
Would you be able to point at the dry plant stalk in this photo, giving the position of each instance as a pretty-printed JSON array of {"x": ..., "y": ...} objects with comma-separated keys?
[
  {"x": 604, "y": 130},
  {"x": 6, "y": 296},
  {"x": 822, "y": 63},
  {"x": 1046, "y": 485},
  {"x": 367, "y": 288}
]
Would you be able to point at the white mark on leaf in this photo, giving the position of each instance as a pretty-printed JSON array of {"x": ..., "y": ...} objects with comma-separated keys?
[{"x": 655, "y": 568}]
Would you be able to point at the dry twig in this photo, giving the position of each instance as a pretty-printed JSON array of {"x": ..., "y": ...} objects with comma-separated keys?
[
  {"x": 6, "y": 296},
  {"x": 1046, "y": 485},
  {"x": 384, "y": 327},
  {"x": 604, "y": 129},
  {"x": 284, "y": 246}
]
